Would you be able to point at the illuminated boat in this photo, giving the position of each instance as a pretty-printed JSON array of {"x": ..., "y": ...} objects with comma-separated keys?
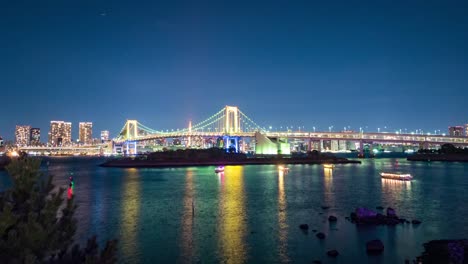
[
  {"x": 282, "y": 168},
  {"x": 329, "y": 166},
  {"x": 396, "y": 176},
  {"x": 219, "y": 169}
]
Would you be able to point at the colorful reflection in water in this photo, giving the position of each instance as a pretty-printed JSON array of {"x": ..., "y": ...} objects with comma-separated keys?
[
  {"x": 186, "y": 239},
  {"x": 232, "y": 216},
  {"x": 130, "y": 213},
  {"x": 71, "y": 188},
  {"x": 282, "y": 220},
  {"x": 220, "y": 177}
]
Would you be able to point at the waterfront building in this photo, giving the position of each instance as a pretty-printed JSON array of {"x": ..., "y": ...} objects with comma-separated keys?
[
  {"x": 271, "y": 146},
  {"x": 60, "y": 133},
  {"x": 22, "y": 135},
  {"x": 86, "y": 133},
  {"x": 35, "y": 136},
  {"x": 466, "y": 130},
  {"x": 456, "y": 131},
  {"x": 104, "y": 135}
]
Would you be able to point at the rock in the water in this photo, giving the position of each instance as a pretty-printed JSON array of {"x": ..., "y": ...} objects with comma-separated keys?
[
  {"x": 332, "y": 218},
  {"x": 332, "y": 253},
  {"x": 415, "y": 222},
  {"x": 304, "y": 226},
  {"x": 391, "y": 212},
  {"x": 363, "y": 213},
  {"x": 379, "y": 208},
  {"x": 444, "y": 251},
  {"x": 375, "y": 246},
  {"x": 320, "y": 235},
  {"x": 367, "y": 216}
]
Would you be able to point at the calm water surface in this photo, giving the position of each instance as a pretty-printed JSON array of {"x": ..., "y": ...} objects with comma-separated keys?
[{"x": 251, "y": 214}]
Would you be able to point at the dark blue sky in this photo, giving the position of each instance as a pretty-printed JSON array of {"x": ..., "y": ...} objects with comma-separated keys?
[{"x": 400, "y": 64}]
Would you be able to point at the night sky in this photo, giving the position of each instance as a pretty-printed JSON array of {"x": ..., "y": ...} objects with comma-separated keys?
[{"x": 400, "y": 64}]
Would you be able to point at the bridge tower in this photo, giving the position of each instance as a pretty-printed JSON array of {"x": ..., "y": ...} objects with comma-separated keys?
[
  {"x": 232, "y": 119},
  {"x": 131, "y": 129},
  {"x": 131, "y": 133}
]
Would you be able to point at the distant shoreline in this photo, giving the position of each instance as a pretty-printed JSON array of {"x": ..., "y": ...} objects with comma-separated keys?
[
  {"x": 438, "y": 157},
  {"x": 128, "y": 163}
]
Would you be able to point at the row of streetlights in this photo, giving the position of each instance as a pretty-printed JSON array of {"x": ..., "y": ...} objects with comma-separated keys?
[{"x": 348, "y": 128}]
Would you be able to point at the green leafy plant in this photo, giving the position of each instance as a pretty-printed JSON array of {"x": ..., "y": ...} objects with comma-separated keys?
[{"x": 37, "y": 224}]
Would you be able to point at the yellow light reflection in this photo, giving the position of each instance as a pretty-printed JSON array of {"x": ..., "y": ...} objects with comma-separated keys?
[
  {"x": 232, "y": 216},
  {"x": 186, "y": 238},
  {"x": 282, "y": 223},
  {"x": 130, "y": 212},
  {"x": 395, "y": 186},
  {"x": 328, "y": 188}
]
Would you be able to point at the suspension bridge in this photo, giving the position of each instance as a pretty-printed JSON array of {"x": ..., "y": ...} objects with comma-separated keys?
[
  {"x": 233, "y": 128},
  {"x": 228, "y": 121}
]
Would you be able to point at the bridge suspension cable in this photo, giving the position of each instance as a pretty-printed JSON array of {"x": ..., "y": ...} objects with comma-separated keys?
[
  {"x": 255, "y": 125},
  {"x": 208, "y": 121},
  {"x": 227, "y": 120}
]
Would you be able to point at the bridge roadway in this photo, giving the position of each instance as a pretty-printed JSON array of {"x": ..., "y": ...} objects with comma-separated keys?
[
  {"x": 315, "y": 136},
  {"x": 90, "y": 148}
]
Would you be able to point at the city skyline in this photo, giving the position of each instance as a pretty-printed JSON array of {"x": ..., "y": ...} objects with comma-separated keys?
[{"x": 398, "y": 65}]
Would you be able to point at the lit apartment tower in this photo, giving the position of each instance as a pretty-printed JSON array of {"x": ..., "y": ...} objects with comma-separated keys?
[
  {"x": 456, "y": 131},
  {"x": 60, "y": 133},
  {"x": 35, "y": 136},
  {"x": 86, "y": 133},
  {"x": 22, "y": 135},
  {"x": 104, "y": 135}
]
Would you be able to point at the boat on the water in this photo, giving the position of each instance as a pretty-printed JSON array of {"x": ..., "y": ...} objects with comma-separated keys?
[
  {"x": 219, "y": 169},
  {"x": 329, "y": 166},
  {"x": 396, "y": 176}
]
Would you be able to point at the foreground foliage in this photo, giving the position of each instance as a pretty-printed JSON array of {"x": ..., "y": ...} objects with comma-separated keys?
[{"x": 37, "y": 225}]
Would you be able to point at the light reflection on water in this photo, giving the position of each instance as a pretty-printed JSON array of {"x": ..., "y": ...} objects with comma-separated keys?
[
  {"x": 232, "y": 216},
  {"x": 252, "y": 213},
  {"x": 188, "y": 218},
  {"x": 328, "y": 187},
  {"x": 282, "y": 221},
  {"x": 130, "y": 213}
]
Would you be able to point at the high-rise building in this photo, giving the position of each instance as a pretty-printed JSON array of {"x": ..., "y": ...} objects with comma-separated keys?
[
  {"x": 35, "y": 136},
  {"x": 60, "y": 133},
  {"x": 456, "y": 131},
  {"x": 86, "y": 133},
  {"x": 104, "y": 135},
  {"x": 22, "y": 135},
  {"x": 466, "y": 130}
]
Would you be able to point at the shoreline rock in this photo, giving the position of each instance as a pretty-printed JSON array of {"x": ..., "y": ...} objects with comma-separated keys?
[
  {"x": 367, "y": 216},
  {"x": 444, "y": 251}
]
